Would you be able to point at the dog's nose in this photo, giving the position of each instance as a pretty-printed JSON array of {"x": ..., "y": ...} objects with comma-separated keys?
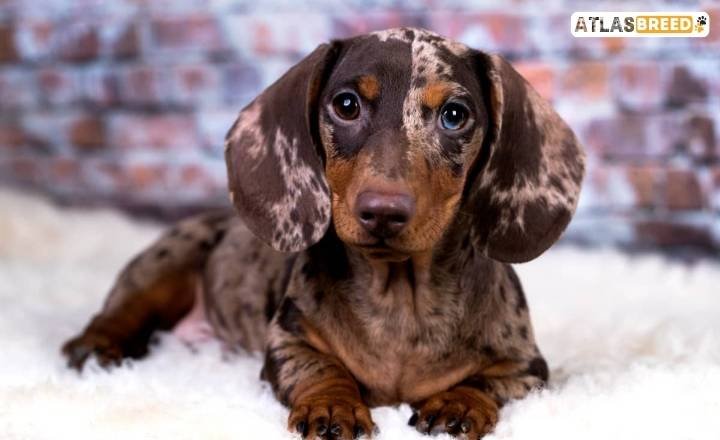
[{"x": 384, "y": 215}]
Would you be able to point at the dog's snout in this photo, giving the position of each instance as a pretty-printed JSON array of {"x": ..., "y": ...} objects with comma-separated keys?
[{"x": 384, "y": 215}]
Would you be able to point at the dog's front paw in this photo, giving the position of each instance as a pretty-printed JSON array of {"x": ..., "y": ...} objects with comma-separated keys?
[
  {"x": 462, "y": 411},
  {"x": 325, "y": 416},
  {"x": 79, "y": 349}
]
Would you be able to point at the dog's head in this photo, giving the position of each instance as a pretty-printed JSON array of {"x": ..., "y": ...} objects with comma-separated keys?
[{"x": 392, "y": 136}]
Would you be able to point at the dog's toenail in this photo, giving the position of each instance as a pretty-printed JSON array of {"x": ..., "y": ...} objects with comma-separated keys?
[
  {"x": 413, "y": 419},
  {"x": 335, "y": 430},
  {"x": 322, "y": 430},
  {"x": 358, "y": 431}
]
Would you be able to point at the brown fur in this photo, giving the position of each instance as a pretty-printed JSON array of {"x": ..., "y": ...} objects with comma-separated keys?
[
  {"x": 432, "y": 316},
  {"x": 369, "y": 87},
  {"x": 434, "y": 95}
]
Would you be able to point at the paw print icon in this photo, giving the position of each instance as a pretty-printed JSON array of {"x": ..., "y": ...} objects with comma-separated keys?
[{"x": 702, "y": 20}]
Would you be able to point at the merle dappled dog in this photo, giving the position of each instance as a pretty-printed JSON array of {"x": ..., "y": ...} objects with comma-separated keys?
[{"x": 383, "y": 185}]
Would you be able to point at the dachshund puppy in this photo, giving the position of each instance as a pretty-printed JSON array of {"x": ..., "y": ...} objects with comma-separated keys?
[{"x": 383, "y": 185}]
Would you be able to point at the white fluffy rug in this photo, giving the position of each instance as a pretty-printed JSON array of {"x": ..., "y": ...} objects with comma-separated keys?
[{"x": 633, "y": 345}]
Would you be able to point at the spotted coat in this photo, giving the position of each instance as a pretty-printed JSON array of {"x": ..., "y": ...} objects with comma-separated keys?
[{"x": 433, "y": 315}]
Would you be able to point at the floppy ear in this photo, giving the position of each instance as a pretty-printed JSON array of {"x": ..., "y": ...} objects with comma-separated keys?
[
  {"x": 525, "y": 184},
  {"x": 272, "y": 152}
]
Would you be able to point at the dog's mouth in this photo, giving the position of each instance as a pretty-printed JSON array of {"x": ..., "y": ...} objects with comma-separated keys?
[{"x": 381, "y": 250}]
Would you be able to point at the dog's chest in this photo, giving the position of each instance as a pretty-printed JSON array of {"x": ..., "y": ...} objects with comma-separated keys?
[{"x": 403, "y": 346}]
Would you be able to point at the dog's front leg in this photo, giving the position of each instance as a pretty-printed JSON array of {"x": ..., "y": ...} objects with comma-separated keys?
[{"x": 323, "y": 397}]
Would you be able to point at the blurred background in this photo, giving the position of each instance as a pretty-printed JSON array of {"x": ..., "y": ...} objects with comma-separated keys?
[{"x": 125, "y": 103}]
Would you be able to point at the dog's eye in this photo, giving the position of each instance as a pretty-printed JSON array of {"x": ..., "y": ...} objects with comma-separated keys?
[
  {"x": 346, "y": 106},
  {"x": 453, "y": 116}
]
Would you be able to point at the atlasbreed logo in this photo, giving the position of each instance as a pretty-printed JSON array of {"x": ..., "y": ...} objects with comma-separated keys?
[{"x": 640, "y": 24}]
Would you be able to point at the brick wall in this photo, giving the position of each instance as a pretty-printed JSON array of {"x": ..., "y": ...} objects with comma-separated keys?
[{"x": 126, "y": 102}]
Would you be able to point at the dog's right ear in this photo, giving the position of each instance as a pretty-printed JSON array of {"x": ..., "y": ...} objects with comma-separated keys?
[{"x": 275, "y": 172}]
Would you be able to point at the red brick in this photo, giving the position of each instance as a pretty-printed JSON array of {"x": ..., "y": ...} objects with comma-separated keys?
[
  {"x": 65, "y": 174},
  {"x": 638, "y": 86},
  {"x": 197, "y": 84},
  {"x": 624, "y": 137},
  {"x": 8, "y": 53},
  {"x": 122, "y": 180},
  {"x": 540, "y": 75},
  {"x": 199, "y": 177},
  {"x": 57, "y": 86},
  {"x": 190, "y": 174},
  {"x": 22, "y": 169},
  {"x": 188, "y": 32},
  {"x": 167, "y": 131},
  {"x": 685, "y": 87},
  {"x": 77, "y": 41},
  {"x": 614, "y": 46},
  {"x": 143, "y": 177},
  {"x": 668, "y": 234},
  {"x": 263, "y": 40},
  {"x": 12, "y": 136},
  {"x": 127, "y": 44},
  {"x": 714, "y": 190},
  {"x": 682, "y": 191},
  {"x": 57, "y": 131},
  {"x": 87, "y": 133},
  {"x": 645, "y": 181},
  {"x": 635, "y": 136},
  {"x": 143, "y": 85},
  {"x": 700, "y": 138},
  {"x": 585, "y": 80},
  {"x": 64, "y": 167}
]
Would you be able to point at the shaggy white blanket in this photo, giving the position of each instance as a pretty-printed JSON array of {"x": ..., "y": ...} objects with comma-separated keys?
[{"x": 633, "y": 345}]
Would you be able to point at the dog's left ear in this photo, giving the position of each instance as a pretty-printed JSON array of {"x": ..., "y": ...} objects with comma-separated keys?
[
  {"x": 525, "y": 184},
  {"x": 272, "y": 152}
]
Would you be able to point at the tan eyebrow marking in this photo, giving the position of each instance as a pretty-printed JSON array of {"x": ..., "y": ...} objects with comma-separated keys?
[
  {"x": 369, "y": 87},
  {"x": 435, "y": 94}
]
